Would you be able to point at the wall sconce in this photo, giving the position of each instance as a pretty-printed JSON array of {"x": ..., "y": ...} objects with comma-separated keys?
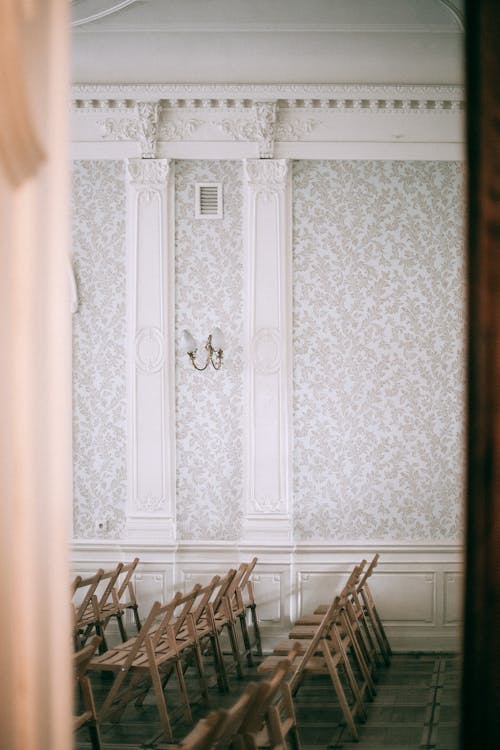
[{"x": 214, "y": 347}]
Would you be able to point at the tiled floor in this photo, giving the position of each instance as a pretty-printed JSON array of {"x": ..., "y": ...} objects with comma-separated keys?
[{"x": 416, "y": 706}]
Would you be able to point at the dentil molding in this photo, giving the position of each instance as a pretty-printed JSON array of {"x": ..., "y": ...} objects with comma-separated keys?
[{"x": 266, "y": 121}]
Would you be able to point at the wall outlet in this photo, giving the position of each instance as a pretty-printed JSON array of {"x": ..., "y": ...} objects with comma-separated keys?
[{"x": 101, "y": 525}]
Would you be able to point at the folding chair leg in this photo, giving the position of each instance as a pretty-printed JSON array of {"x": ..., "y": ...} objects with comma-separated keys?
[
  {"x": 160, "y": 702},
  {"x": 184, "y": 693},
  {"x": 200, "y": 666},
  {"x": 121, "y": 627},
  {"x": 256, "y": 629},
  {"x": 234, "y": 648},
  {"x": 246, "y": 639},
  {"x": 220, "y": 667},
  {"x": 339, "y": 690},
  {"x": 137, "y": 619}
]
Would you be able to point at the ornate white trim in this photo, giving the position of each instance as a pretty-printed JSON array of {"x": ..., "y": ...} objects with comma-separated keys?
[
  {"x": 151, "y": 433},
  {"x": 268, "y": 389},
  {"x": 244, "y": 121}
]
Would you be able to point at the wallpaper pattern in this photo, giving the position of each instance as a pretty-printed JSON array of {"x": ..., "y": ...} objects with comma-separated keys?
[
  {"x": 99, "y": 348},
  {"x": 378, "y": 350},
  {"x": 209, "y": 282}
]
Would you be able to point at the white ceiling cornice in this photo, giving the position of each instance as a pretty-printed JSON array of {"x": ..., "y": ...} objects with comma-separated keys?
[{"x": 305, "y": 121}]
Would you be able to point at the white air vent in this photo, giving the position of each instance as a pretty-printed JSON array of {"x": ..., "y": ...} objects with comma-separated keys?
[{"x": 208, "y": 198}]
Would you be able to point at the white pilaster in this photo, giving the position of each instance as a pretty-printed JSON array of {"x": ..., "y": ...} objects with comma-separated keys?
[
  {"x": 268, "y": 385},
  {"x": 151, "y": 362}
]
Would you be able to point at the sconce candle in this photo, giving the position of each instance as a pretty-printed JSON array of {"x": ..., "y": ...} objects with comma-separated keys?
[{"x": 214, "y": 347}]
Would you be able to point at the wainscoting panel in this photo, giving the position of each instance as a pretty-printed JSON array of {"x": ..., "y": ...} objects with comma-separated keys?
[{"x": 418, "y": 589}]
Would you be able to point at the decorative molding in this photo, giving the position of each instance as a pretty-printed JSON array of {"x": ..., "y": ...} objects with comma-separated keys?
[
  {"x": 149, "y": 349},
  {"x": 124, "y": 129},
  {"x": 268, "y": 342},
  {"x": 285, "y": 121},
  {"x": 148, "y": 174},
  {"x": 288, "y": 581},
  {"x": 81, "y": 16},
  {"x": 242, "y": 96},
  {"x": 148, "y": 114},
  {"x": 265, "y": 116},
  {"x": 266, "y": 350},
  {"x": 151, "y": 433}
]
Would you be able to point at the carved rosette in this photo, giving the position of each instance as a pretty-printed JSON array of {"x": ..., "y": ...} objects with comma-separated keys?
[
  {"x": 149, "y": 350},
  {"x": 266, "y": 348}
]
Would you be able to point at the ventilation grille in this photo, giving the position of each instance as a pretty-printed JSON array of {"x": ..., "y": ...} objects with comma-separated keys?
[{"x": 208, "y": 200}]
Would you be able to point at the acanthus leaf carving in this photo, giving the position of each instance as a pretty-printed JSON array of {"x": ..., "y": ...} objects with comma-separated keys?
[
  {"x": 150, "y": 503},
  {"x": 293, "y": 131},
  {"x": 124, "y": 129},
  {"x": 148, "y": 171},
  {"x": 265, "y": 115},
  {"x": 267, "y": 177},
  {"x": 178, "y": 130},
  {"x": 147, "y": 130},
  {"x": 238, "y": 130},
  {"x": 267, "y": 504}
]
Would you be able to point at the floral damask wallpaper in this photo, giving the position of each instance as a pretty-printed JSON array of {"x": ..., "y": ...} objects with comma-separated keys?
[
  {"x": 378, "y": 285},
  {"x": 378, "y": 350},
  {"x": 209, "y": 283},
  {"x": 99, "y": 348}
]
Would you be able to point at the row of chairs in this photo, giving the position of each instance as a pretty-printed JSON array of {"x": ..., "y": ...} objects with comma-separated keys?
[
  {"x": 263, "y": 716},
  {"x": 344, "y": 640},
  {"x": 100, "y": 598},
  {"x": 172, "y": 637}
]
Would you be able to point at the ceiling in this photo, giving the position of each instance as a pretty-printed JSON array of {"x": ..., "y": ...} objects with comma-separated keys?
[{"x": 267, "y": 41}]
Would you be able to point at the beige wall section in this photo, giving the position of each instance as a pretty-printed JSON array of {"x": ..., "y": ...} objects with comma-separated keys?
[{"x": 35, "y": 367}]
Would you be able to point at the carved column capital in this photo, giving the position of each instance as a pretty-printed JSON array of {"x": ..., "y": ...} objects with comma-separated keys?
[
  {"x": 271, "y": 174},
  {"x": 148, "y": 172}
]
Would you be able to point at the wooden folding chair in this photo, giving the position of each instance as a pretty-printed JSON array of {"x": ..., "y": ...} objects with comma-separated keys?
[
  {"x": 143, "y": 662},
  {"x": 353, "y": 622},
  {"x": 126, "y": 595},
  {"x": 87, "y": 716},
  {"x": 203, "y": 734},
  {"x": 363, "y": 589},
  {"x": 107, "y": 606},
  {"x": 220, "y": 729},
  {"x": 224, "y": 617},
  {"x": 326, "y": 653},
  {"x": 272, "y": 719},
  {"x": 242, "y": 599},
  {"x": 229, "y": 731},
  {"x": 203, "y": 629},
  {"x": 85, "y": 607}
]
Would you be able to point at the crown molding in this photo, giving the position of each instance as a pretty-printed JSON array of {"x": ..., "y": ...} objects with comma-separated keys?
[{"x": 305, "y": 121}]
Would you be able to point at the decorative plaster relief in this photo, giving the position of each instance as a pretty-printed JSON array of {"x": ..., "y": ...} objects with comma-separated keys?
[
  {"x": 268, "y": 312},
  {"x": 149, "y": 350},
  {"x": 148, "y": 114},
  {"x": 267, "y": 350},
  {"x": 151, "y": 507},
  {"x": 265, "y": 115}
]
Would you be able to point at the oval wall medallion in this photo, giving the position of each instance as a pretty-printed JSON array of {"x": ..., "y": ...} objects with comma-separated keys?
[
  {"x": 267, "y": 350},
  {"x": 149, "y": 350}
]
